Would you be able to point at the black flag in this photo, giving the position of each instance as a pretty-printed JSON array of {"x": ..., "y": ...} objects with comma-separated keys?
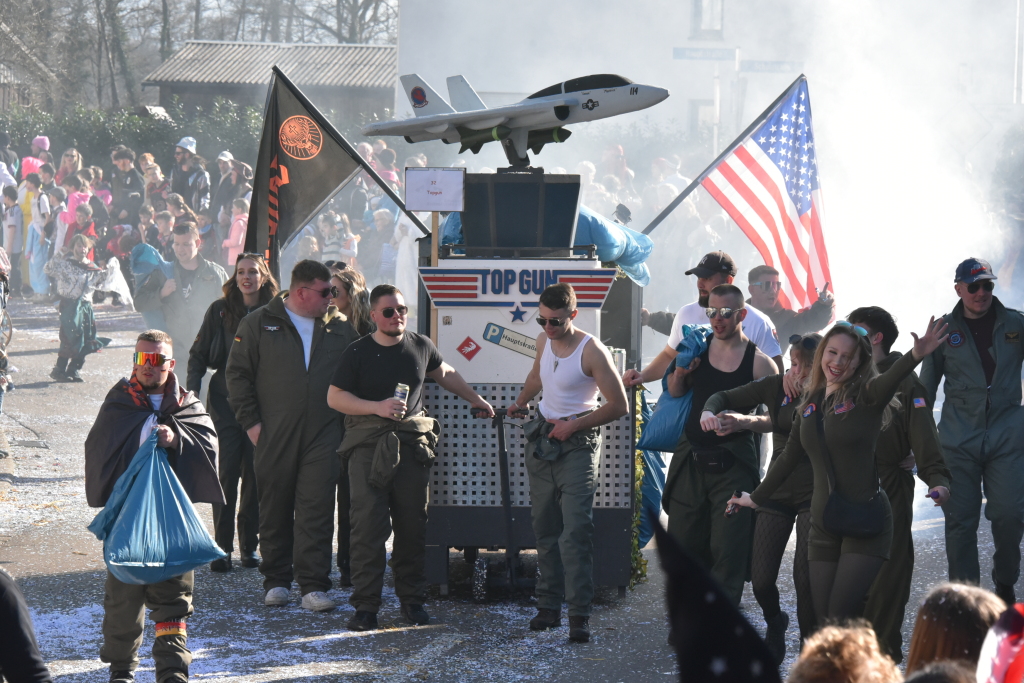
[{"x": 303, "y": 161}]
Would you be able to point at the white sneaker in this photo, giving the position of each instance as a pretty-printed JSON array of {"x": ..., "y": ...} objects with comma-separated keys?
[
  {"x": 276, "y": 597},
  {"x": 317, "y": 602}
]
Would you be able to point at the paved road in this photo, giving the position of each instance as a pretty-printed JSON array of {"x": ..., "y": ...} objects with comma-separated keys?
[{"x": 44, "y": 543}]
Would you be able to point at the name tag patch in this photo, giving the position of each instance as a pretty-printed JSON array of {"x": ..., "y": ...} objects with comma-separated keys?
[
  {"x": 1013, "y": 337},
  {"x": 920, "y": 403},
  {"x": 809, "y": 409},
  {"x": 272, "y": 328},
  {"x": 844, "y": 407}
]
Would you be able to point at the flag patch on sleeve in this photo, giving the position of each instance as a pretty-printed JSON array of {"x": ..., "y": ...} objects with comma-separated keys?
[
  {"x": 238, "y": 339},
  {"x": 920, "y": 403}
]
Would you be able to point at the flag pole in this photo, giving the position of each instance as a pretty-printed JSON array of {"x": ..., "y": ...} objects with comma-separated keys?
[
  {"x": 341, "y": 140},
  {"x": 728, "y": 150}
]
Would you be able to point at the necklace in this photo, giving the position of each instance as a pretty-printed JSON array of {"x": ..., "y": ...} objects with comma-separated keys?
[{"x": 556, "y": 357}]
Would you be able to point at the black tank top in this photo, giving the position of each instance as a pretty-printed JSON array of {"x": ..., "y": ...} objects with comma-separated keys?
[{"x": 708, "y": 380}]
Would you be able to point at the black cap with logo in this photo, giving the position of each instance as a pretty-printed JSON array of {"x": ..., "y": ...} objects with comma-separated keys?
[
  {"x": 972, "y": 270},
  {"x": 714, "y": 263}
]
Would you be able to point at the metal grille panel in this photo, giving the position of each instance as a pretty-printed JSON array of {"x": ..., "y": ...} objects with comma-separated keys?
[{"x": 466, "y": 471}]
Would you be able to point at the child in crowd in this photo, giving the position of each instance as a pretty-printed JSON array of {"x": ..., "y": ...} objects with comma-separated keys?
[
  {"x": 37, "y": 247},
  {"x": 234, "y": 244},
  {"x": 14, "y": 228},
  {"x": 46, "y": 175},
  {"x": 210, "y": 245},
  {"x": 100, "y": 214},
  {"x": 148, "y": 231},
  {"x": 56, "y": 229},
  {"x": 77, "y": 277},
  {"x": 83, "y": 225},
  {"x": 330, "y": 239},
  {"x": 164, "y": 242},
  {"x": 100, "y": 188}
]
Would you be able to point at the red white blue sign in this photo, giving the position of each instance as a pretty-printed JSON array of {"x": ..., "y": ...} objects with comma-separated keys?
[{"x": 512, "y": 287}]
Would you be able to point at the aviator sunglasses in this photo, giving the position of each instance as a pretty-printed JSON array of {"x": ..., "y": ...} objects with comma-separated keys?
[
  {"x": 861, "y": 332},
  {"x": 154, "y": 359},
  {"x": 987, "y": 285},
  {"x": 767, "y": 286},
  {"x": 555, "y": 322},
  {"x": 808, "y": 343},
  {"x": 723, "y": 312},
  {"x": 390, "y": 311},
  {"x": 331, "y": 291}
]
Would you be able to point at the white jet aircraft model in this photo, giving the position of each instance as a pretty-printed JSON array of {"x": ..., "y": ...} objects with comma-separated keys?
[{"x": 526, "y": 125}]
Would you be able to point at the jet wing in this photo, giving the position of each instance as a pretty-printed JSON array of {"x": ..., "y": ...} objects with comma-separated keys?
[{"x": 474, "y": 120}]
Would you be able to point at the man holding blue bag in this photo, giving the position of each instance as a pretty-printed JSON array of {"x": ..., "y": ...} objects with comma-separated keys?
[{"x": 150, "y": 401}]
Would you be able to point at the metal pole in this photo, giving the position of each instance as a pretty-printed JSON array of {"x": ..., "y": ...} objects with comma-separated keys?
[
  {"x": 718, "y": 111},
  {"x": 1016, "y": 58}
]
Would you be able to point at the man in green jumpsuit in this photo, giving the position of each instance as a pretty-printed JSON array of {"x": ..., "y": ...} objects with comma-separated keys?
[
  {"x": 278, "y": 372},
  {"x": 982, "y": 426},
  {"x": 910, "y": 437}
]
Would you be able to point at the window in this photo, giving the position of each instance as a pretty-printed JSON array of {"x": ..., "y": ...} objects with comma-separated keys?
[
  {"x": 595, "y": 82},
  {"x": 708, "y": 20},
  {"x": 547, "y": 92}
]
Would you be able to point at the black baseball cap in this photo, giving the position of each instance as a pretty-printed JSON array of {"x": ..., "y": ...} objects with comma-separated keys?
[
  {"x": 974, "y": 269},
  {"x": 714, "y": 263}
]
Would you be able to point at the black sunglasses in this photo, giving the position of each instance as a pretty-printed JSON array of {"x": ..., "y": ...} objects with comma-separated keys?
[
  {"x": 390, "y": 311},
  {"x": 331, "y": 291},
  {"x": 987, "y": 285},
  {"x": 809, "y": 343},
  {"x": 555, "y": 322}
]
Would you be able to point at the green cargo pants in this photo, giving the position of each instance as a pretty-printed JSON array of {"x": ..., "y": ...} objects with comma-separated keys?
[
  {"x": 124, "y": 617},
  {"x": 562, "y": 511},
  {"x": 887, "y": 600},
  {"x": 696, "y": 518},
  {"x": 373, "y": 514}
]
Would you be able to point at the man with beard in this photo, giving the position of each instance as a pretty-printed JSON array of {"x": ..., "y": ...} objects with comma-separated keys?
[
  {"x": 150, "y": 400},
  {"x": 389, "y": 445},
  {"x": 764, "y": 287},
  {"x": 707, "y": 467},
  {"x": 716, "y": 268},
  {"x": 563, "y": 457}
]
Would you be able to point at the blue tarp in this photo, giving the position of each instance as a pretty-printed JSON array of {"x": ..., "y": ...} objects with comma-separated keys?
[
  {"x": 653, "y": 484},
  {"x": 149, "y": 527},
  {"x": 615, "y": 243}
]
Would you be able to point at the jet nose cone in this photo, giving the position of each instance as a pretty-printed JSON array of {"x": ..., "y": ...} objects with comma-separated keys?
[{"x": 659, "y": 94}]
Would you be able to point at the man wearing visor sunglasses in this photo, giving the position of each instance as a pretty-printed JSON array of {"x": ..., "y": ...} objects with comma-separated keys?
[
  {"x": 764, "y": 288},
  {"x": 982, "y": 426},
  {"x": 278, "y": 373},
  {"x": 388, "y": 449},
  {"x": 150, "y": 400}
]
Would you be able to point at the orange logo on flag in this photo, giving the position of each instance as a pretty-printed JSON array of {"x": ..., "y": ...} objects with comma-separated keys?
[{"x": 300, "y": 137}]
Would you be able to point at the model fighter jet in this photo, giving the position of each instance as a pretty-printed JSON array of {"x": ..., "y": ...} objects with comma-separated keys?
[{"x": 527, "y": 125}]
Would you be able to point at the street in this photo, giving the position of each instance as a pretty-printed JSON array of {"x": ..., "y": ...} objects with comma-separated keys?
[{"x": 234, "y": 637}]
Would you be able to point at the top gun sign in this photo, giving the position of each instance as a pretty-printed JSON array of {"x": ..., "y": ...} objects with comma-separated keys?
[{"x": 509, "y": 287}]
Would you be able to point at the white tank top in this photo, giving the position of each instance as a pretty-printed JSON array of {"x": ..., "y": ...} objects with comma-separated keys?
[{"x": 567, "y": 390}]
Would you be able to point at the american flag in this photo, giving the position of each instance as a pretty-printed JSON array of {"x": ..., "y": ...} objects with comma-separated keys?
[{"x": 767, "y": 181}]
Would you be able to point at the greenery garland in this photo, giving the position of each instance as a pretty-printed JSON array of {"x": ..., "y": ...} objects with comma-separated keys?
[{"x": 638, "y": 568}]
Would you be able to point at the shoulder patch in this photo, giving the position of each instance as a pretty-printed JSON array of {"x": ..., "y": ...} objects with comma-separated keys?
[
  {"x": 955, "y": 339},
  {"x": 1013, "y": 337},
  {"x": 844, "y": 407},
  {"x": 809, "y": 409},
  {"x": 920, "y": 403},
  {"x": 238, "y": 339},
  {"x": 786, "y": 400}
]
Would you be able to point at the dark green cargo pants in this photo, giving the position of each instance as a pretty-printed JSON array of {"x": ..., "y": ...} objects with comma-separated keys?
[
  {"x": 373, "y": 514},
  {"x": 696, "y": 518},
  {"x": 124, "y": 618}
]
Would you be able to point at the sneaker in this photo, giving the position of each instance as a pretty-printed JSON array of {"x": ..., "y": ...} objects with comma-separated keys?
[
  {"x": 317, "y": 601},
  {"x": 579, "y": 629},
  {"x": 416, "y": 614},
  {"x": 362, "y": 621},
  {"x": 122, "y": 676},
  {"x": 276, "y": 597},
  {"x": 775, "y": 635},
  {"x": 546, "y": 618},
  {"x": 221, "y": 565}
]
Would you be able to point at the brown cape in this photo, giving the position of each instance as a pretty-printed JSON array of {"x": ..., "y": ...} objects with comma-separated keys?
[{"x": 114, "y": 440}]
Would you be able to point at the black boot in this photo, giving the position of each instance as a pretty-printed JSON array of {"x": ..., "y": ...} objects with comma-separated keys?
[
  {"x": 73, "y": 367},
  {"x": 122, "y": 676},
  {"x": 579, "y": 629},
  {"x": 775, "y": 635},
  {"x": 60, "y": 370},
  {"x": 1004, "y": 591},
  {"x": 545, "y": 619}
]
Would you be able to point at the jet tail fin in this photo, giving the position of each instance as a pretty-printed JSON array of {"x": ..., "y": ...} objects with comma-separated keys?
[
  {"x": 463, "y": 96},
  {"x": 422, "y": 97}
]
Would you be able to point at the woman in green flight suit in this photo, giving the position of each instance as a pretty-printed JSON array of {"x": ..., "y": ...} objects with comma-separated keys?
[{"x": 852, "y": 400}]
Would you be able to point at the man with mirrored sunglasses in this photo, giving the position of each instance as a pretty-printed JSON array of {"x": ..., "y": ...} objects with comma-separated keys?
[
  {"x": 765, "y": 286},
  {"x": 982, "y": 426},
  {"x": 278, "y": 372}
]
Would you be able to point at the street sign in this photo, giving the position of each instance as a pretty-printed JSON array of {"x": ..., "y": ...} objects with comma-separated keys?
[
  {"x": 705, "y": 54},
  {"x": 435, "y": 189},
  {"x": 761, "y": 66}
]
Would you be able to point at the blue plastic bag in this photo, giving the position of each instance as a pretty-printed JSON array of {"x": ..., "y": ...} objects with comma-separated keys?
[
  {"x": 149, "y": 527},
  {"x": 669, "y": 418},
  {"x": 653, "y": 484},
  {"x": 616, "y": 243}
]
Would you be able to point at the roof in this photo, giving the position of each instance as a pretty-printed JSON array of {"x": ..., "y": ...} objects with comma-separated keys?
[{"x": 214, "y": 62}]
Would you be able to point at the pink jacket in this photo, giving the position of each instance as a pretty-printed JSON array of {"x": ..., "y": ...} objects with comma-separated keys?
[
  {"x": 235, "y": 243},
  {"x": 74, "y": 199}
]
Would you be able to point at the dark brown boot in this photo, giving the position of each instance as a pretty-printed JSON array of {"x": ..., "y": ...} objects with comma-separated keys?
[{"x": 545, "y": 619}]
